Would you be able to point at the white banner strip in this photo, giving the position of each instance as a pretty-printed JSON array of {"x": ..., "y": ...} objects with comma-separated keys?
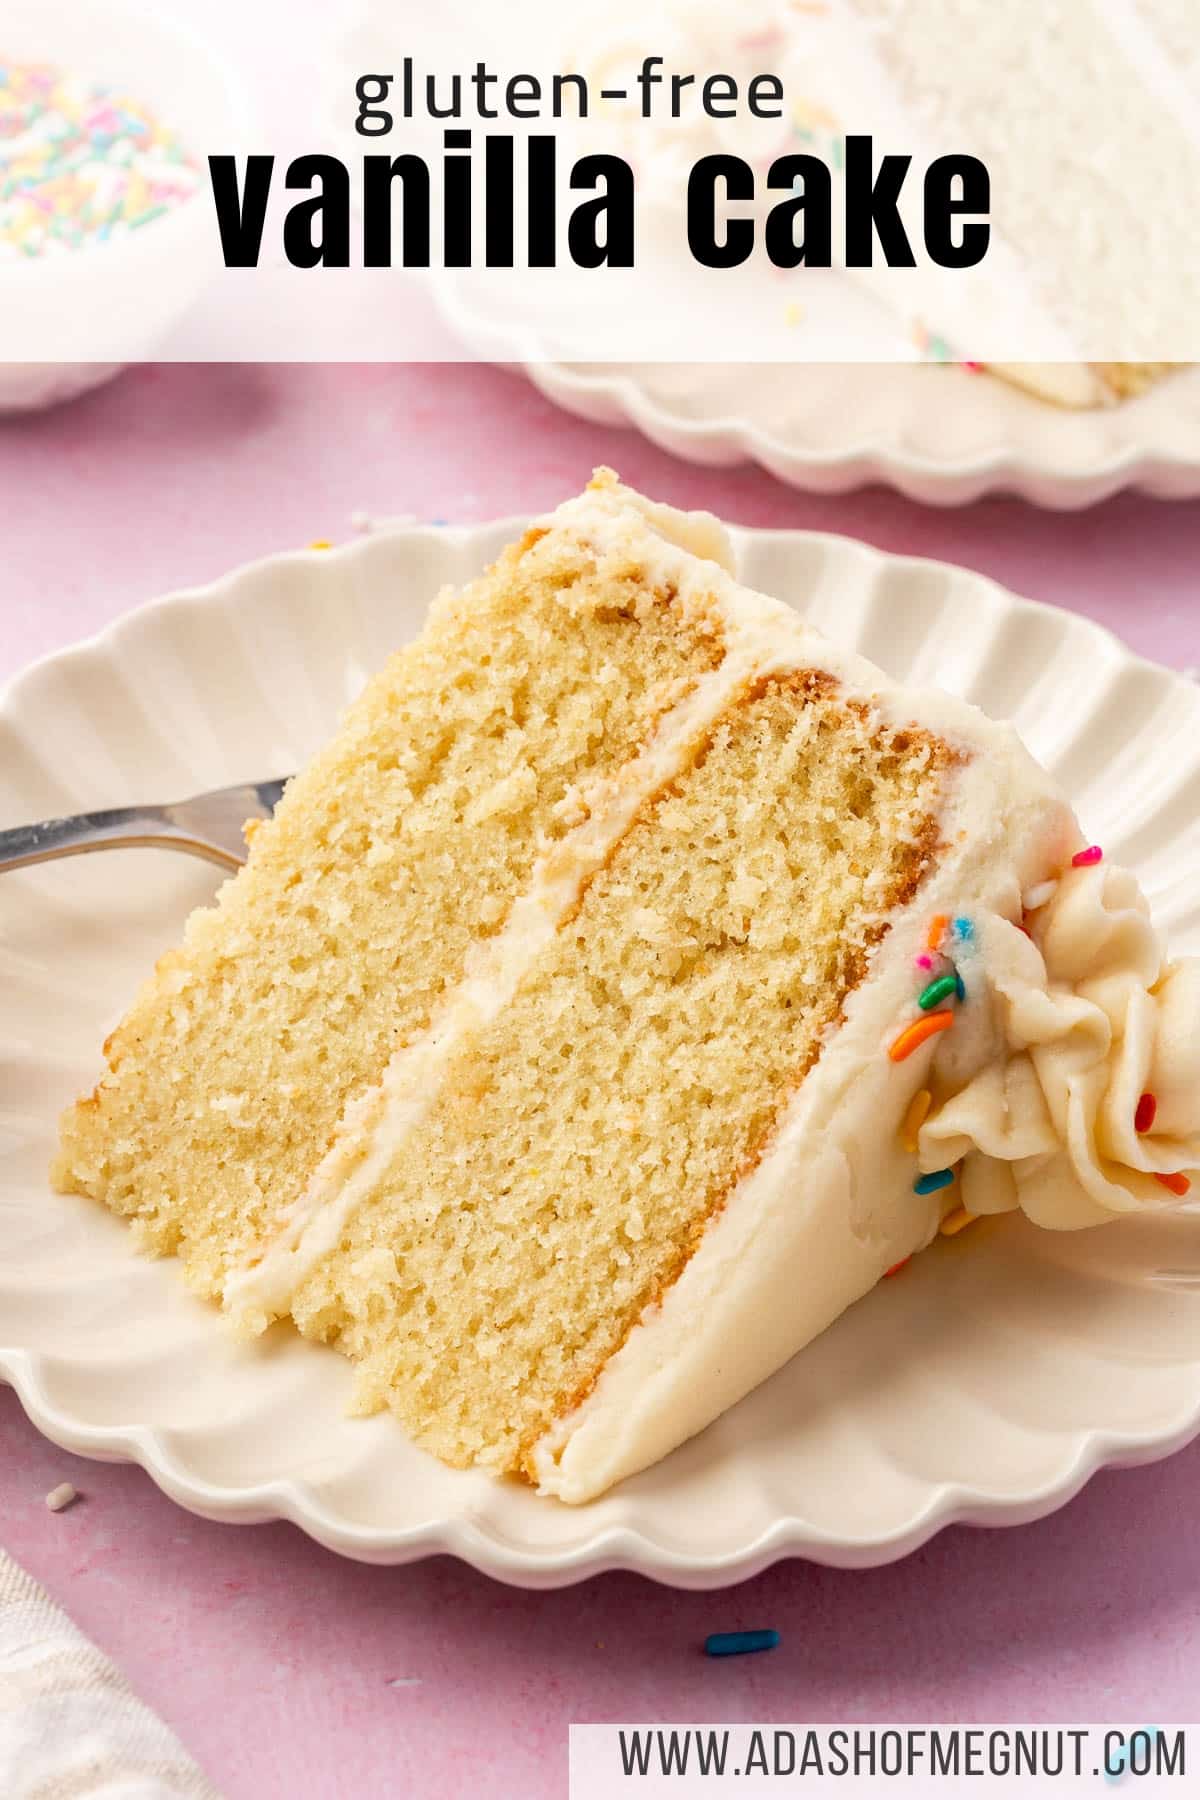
[{"x": 949, "y": 1761}]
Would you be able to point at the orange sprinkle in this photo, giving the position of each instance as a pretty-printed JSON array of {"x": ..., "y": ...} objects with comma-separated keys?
[
  {"x": 914, "y": 1035},
  {"x": 1144, "y": 1117},
  {"x": 937, "y": 931},
  {"x": 1175, "y": 1184},
  {"x": 896, "y": 1267},
  {"x": 914, "y": 1118},
  {"x": 956, "y": 1221}
]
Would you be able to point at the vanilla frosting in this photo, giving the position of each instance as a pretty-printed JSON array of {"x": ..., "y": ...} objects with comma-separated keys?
[
  {"x": 1034, "y": 1089},
  {"x": 1084, "y": 1016}
]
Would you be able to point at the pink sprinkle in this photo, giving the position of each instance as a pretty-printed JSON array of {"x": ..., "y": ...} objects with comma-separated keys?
[
  {"x": 924, "y": 962},
  {"x": 1085, "y": 859},
  {"x": 974, "y": 367}
]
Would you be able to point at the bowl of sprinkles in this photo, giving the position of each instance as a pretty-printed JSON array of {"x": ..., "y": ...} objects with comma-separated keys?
[
  {"x": 83, "y": 163},
  {"x": 106, "y": 116}
]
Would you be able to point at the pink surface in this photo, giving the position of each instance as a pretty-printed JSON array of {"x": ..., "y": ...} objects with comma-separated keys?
[{"x": 287, "y": 1671}]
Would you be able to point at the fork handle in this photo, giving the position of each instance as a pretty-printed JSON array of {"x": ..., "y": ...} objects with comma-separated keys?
[{"x": 120, "y": 827}]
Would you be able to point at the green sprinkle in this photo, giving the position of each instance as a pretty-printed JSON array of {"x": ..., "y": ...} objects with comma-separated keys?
[
  {"x": 938, "y": 990},
  {"x": 151, "y": 212}
]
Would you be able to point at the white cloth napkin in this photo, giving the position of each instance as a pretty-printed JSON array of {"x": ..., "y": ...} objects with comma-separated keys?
[{"x": 70, "y": 1726}]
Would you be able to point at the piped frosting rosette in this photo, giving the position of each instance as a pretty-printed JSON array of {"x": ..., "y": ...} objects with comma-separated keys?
[{"x": 1094, "y": 1035}]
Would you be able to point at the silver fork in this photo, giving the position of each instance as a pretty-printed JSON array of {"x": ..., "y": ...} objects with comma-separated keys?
[{"x": 208, "y": 825}]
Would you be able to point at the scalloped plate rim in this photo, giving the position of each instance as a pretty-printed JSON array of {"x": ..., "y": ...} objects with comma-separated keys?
[
  {"x": 726, "y": 438},
  {"x": 1125, "y": 467},
  {"x": 108, "y": 636}
]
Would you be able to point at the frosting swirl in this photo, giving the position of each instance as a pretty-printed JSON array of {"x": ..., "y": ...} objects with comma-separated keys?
[{"x": 1084, "y": 1016}]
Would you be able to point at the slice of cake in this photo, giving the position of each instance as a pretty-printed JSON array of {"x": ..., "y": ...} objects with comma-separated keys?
[
  {"x": 1083, "y": 385},
  {"x": 634, "y": 980},
  {"x": 1084, "y": 115}
]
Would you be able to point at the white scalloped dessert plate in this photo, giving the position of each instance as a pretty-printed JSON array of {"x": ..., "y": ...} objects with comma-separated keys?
[
  {"x": 938, "y": 433},
  {"x": 828, "y": 428},
  {"x": 985, "y": 1384}
]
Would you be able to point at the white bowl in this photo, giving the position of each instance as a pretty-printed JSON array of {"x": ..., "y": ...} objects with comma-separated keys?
[{"x": 68, "y": 322}]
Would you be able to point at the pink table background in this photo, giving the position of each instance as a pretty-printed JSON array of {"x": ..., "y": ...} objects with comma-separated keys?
[{"x": 287, "y": 1671}]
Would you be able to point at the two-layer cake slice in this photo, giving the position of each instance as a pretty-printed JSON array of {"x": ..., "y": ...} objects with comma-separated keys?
[{"x": 631, "y": 983}]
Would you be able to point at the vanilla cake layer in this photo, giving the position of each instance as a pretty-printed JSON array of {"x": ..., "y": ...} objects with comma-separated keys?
[
  {"x": 399, "y": 847},
  {"x": 577, "y": 1148}
]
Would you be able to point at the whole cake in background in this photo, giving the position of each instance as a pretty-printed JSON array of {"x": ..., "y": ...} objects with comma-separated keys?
[
  {"x": 634, "y": 980},
  {"x": 1076, "y": 110}
]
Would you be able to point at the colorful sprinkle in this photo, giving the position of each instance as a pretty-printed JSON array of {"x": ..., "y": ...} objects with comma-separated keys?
[
  {"x": 320, "y": 544},
  {"x": 760, "y": 40},
  {"x": 1175, "y": 1184},
  {"x": 960, "y": 988},
  {"x": 60, "y": 1497},
  {"x": 896, "y": 1267},
  {"x": 934, "y": 1183},
  {"x": 937, "y": 931},
  {"x": 973, "y": 368},
  {"x": 914, "y": 1035},
  {"x": 1086, "y": 859},
  {"x": 956, "y": 1221},
  {"x": 928, "y": 344},
  {"x": 1147, "y": 1112},
  {"x": 914, "y": 1118},
  {"x": 924, "y": 961},
  {"x": 80, "y": 164},
  {"x": 941, "y": 989},
  {"x": 806, "y": 116},
  {"x": 964, "y": 930},
  {"x": 739, "y": 1643}
]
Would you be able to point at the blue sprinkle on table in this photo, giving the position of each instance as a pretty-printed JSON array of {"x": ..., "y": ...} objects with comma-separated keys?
[{"x": 739, "y": 1643}]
